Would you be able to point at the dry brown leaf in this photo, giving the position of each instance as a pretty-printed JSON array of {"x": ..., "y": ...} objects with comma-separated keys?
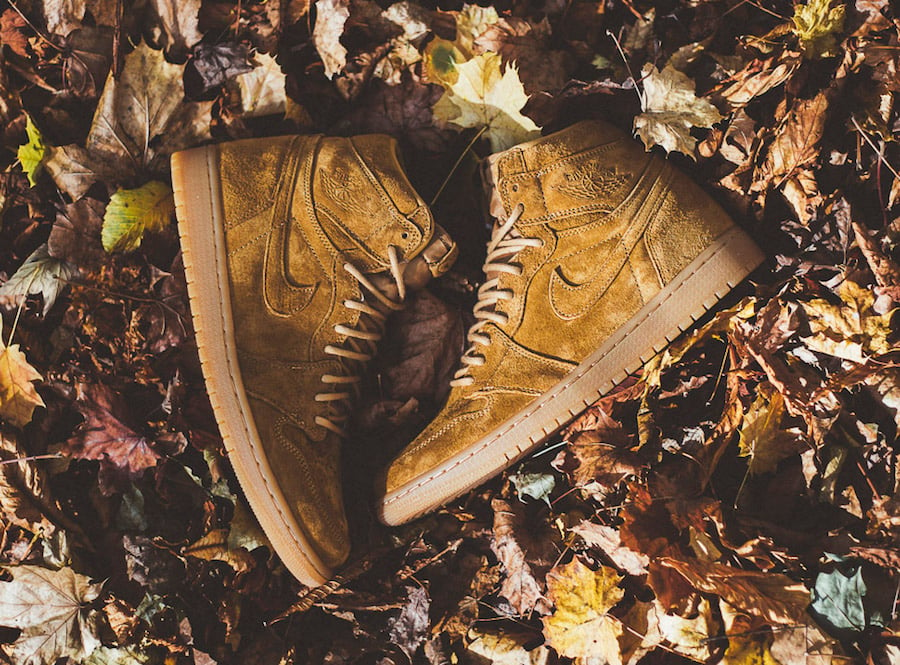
[
  {"x": 179, "y": 22},
  {"x": 63, "y": 16},
  {"x": 525, "y": 553},
  {"x": 762, "y": 438},
  {"x": 18, "y": 397},
  {"x": 580, "y": 626},
  {"x": 507, "y": 648},
  {"x": 609, "y": 541},
  {"x": 331, "y": 15},
  {"x": 759, "y": 77},
  {"x": 774, "y": 597},
  {"x": 24, "y": 491},
  {"x": 214, "y": 546}
]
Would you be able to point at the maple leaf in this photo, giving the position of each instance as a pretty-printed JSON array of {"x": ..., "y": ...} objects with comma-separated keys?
[
  {"x": 75, "y": 236},
  {"x": 262, "y": 88},
  {"x": 18, "y": 397},
  {"x": 51, "y": 609},
  {"x": 761, "y": 436},
  {"x": 850, "y": 329},
  {"x": 816, "y": 23},
  {"x": 331, "y": 16},
  {"x": 140, "y": 120},
  {"x": 31, "y": 154},
  {"x": 483, "y": 97},
  {"x": 132, "y": 212},
  {"x": 24, "y": 491},
  {"x": 580, "y": 626},
  {"x": 105, "y": 435},
  {"x": 670, "y": 109}
]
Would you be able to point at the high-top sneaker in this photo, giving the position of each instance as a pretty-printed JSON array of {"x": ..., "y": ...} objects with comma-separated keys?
[
  {"x": 601, "y": 253},
  {"x": 295, "y": 250}
]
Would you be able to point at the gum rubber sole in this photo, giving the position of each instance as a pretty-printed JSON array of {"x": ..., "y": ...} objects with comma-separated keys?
[
  {"x": 198, "y": 205},
  {"x": 695, "y": 290}
]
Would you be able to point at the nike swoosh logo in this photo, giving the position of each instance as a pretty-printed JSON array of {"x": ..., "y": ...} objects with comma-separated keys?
[
  {"x": 583, "y": 276},
  {"x": 282, "y": 294}
]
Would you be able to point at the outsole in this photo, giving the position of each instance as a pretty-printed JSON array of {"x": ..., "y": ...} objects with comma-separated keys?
[
  {"x": 705, "y": 281},
  {"x": 198, "y": 206}
]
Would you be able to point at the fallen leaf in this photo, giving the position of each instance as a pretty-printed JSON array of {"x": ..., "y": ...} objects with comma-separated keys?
[
  {"x": 484, "y": 98},
  {"x": 527, "y": 44},
  {"x": 179, "y": 20},
  {"x": 213, "y": 65},
  {"x": 214, "y": 546},
  {"x": 580, "y": 625},
  {"x": 759, "y": 77},
  {"x": 18, "y": 397},
  {"x": 331, "y": 15},
  {"x": 31, "y": 154},
  {"x": 140, "y": 120},
  {"x": 12, "y": 24},
  {"x": 837, "y": 598},
  {"x": 130, "y": 655},
  {"x": 40, "y": 274},
  {"x": 687, "y": 635},
  {"x": 63, "y": 16},
  {"x": 816, "y": 23},
  {"x": 105, "y": 435},
  {"x": 24, "y": 490},
  {"x": 761, "y": 437},
  {"x": 771, "y": 596},
  {"x": 525, "y": 552},
  {"x": 609, "y": 541},
  {"x": 409, "y": 630},
  {"x": 670, "y": 109},
  {"x": 51, "y": 609},
  {"x": 506, "y": 649},
  {"x": 133, "y": 212},
  {"x": 538, "y": 486},
  {"x": 849, "y": 329},
  {"x": 75, "y": 236},
  {"x": 262, "y": 88},
  {"x": 805, "y": 644}
]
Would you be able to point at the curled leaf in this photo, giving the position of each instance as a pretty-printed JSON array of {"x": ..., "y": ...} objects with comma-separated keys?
[
  {"x": 18, "y": 397},
  {"x": 816, "y": 23},
  {"x": 131, "y": 212}
]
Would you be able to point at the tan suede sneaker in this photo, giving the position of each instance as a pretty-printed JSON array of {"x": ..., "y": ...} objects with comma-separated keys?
[
  {"x": 601, "y": 254},
  {"x": 295, "y": 250}
]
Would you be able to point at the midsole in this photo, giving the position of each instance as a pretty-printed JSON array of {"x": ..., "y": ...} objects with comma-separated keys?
[{"x": 698, "y": 287}]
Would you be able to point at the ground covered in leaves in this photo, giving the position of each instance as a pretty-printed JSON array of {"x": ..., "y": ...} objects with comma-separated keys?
[{"x": 735, "y": 502}]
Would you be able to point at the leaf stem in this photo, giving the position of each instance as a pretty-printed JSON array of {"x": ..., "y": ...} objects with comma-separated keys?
[{"x": 457, "y": 163}]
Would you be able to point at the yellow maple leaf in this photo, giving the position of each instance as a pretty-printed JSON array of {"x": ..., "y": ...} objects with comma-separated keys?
[
  {"x": 850, "y": 329},
  {"x": 761, "y": 437},
  {"x": 131, "y": 212},
  {"x": 442, "y": 56},
  {"x": 487, "y": 98},
  {"x": 816, "y": 23},
  {"x": 670, "y": 109},
  {"x": 18, "y": 397},
  {"x": 580, "y": 626}
]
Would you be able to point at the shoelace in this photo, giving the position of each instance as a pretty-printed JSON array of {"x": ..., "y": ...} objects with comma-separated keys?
[
  {"x": 501, "y": 251},
  {"x": 361, "y": 343}
]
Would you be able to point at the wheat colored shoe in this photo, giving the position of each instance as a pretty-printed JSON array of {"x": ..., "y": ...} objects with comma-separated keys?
[
  {"x": 600, "y": 254},
  {"x": 295, "y": 250}
]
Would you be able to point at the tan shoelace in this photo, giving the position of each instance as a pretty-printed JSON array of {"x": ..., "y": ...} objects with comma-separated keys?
[
  {"x": 361, "y": 342},
  {"x": 501, "y": 251}
]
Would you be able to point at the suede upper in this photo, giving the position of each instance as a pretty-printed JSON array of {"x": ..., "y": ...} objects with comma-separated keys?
[
  {"x": 614, "y": 224},
  {"x": 297, "y": 209}
]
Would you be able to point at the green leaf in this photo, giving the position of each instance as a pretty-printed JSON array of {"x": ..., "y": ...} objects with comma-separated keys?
[
  {"x": 838, "y": 598},
  {"x": 32, "y": 154},
  {"x": 131, "y": 212},
  {"x": 816, "y": 23}
]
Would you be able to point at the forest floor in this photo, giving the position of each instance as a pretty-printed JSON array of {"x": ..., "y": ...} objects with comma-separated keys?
[{"x": 736, "y": 501}]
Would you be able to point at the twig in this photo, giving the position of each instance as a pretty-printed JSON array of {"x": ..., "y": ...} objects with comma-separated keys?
[
  {"x": 456, "y": 164},
  {"x": 628, "y": 67},
  {"x": 874, "y": 147}
]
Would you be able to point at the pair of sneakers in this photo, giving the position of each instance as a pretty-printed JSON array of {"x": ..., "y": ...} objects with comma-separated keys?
[{"x": 297, "y": 249}]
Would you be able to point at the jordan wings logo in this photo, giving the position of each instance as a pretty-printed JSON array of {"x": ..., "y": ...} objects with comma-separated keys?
[
  {"x": 583, "y": 276},
  {"x": 592, "y": 181},
  {"x": 282, "y": 294},
  {"x": 347, "y": 193}
]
